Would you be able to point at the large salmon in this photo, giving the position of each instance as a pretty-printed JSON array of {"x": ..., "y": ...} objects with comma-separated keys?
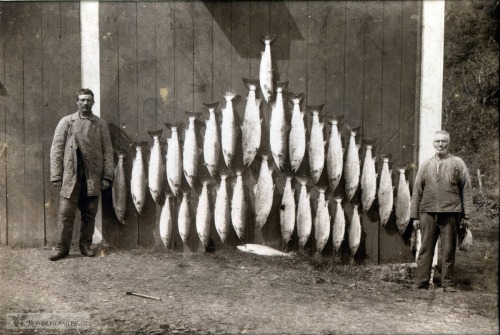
[
  {"x": 138, "y": 184},
  {"x": 352, "y": 167},
  {"x": 316, "y": 146},
  {"x": 385, "y": 192},
  {"x": 239, "y": 207},
  {"x": 278, "y": 137},
  {"x": 354, "y": 231},
  {"x": 322, "y": 221},
  {"x": 222, "y": 210},
  {"x": 264, "y": 193},
  {"x": 297, "y": 142},
  {"x": 403, "y": 199},
  {"x": 119, "y": 190},
  {"x": 191, "y": 152},
  {"x": 335, "y": 155},
  {"x": 229, "y": 131},
  {"x": 252, "y": 124},
  {"x": 204, "y": 214},
  {"x": 266, "y": 69},
  {"x": 287, "y": 211},
  {"x": 174, "y": 159},
  {"x": 304, "y": 217},
  {"x": 368, "y": 179},
  {"x": 156, "y": 169},
  {"x": 211, "y": 145},
  {"x": 184, "y": 218},
  {"x": 166, "y": 221},
  {"x": 338, "y": 225},
  {"x": 262, "y": 250}
]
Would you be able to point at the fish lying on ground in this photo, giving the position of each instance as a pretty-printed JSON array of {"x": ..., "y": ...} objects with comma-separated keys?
[
  {"x": 297, "y": 138},
  {"x": 262, "y": 250},
  {"x": 119, "y": 190},
  {"x": 368, "y": 179},
  {"x": 385, "y": 192},
  {"x": 266, "y": 69},
  {"x": 352, "y": 167},
  {"x": 204, "y": 214},
  {"x": 222, "y": 210},
  {"x": 304, "y": 217},
  {"x": 228, "y": 129},
  {"x": 354, "y": 231},
  {"x": 316, "y": 147},
  {"x": 174, "y": 159},
  {"x": 252, "y": 124},
  {"x": 278, "y": 137},
  {"x": 166, "y": 222},
  {"x": 287, "y": 211},
  {"x": 156, "y": 169},
  {"x": 191, "y": 152},
  {"x": 184, "y": 218},
  {"x": 264, "y": 193},
  {"x": 338, "y": 225},
  {"x": 239, "y": 207},
  {"x": 211, "y": 145},
  {"x": 334, "y": 156},
  {"x": 138, "y": 184},
  {"x": 403, "y": 199},
  {"x": 322, "y": 221}
]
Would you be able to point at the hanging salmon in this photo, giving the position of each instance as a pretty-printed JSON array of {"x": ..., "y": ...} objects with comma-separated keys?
[
  {"x": 222, "y": 210},
  {"x": 316, "y": 146},
  {"x": 211, "y": 145},
  {"x": 252, "y": 124},
  {"x": 287, "y": 211},
  {"x": 264, "y": 193},
  {"x": 352, "y": 167},
  {"x": 385, "y": 192},
  {"x": 191, "y": 152},
  {"x": 278, "y": 128},
  {"x": 239, "y": 207},
  {"x": 138, "y": 184},
  {"x": 338, "y": 225},
  {"x": 166, "y": 221},
  {"x": 403, "y": 199},
  {"x": 354, "y": 231},
  {"x": 368, "y": 179},
  {"x": 228, "y": 129},
  {"x": 173, "y": 159},
  {"x": 266, "y": 69},
  {"x": 304, "y": 217},
  {"x": 119, "y": 190},
  {"x": 297, "y": 142},
  {"x": 156, "y": 168},
  {"x": 204, "y": 214},
  {"x": 322, "y": 221},
  {"x": 335, "y": 155},
  {"x": 184, "y": 218}
]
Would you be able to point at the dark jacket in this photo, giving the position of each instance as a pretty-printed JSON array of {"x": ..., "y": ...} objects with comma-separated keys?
[
  {"x": 91, "y": 136},
  {"x": 442, "y": 186}
]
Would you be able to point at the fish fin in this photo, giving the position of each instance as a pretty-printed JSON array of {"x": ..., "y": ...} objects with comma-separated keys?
[
  {"x": 251, "y": 82},
  {"x": 255, "y": 189},
  {"x": 258, "y": 102},
  {"x": 200, "y": 151},
  {"x": 358, "y": 146},
  {"x": 230, "y": 95},
  {"x": 269, "y": 39},
  {"x": 324, "y": 143},
  {"x": 154, "y": 133},
  {"x": 192, "y": 115},
  {"x": 302, "y": 114},
  {"x": 211, "y": 106}
]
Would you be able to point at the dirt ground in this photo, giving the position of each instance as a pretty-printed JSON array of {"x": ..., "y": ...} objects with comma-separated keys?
[{"x": 233, "y": 292}]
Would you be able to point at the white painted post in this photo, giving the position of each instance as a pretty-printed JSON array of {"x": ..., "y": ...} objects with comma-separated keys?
[{"x": 89, "y": 18}]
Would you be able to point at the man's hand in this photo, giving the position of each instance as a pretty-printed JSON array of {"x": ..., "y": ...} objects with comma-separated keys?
[
  {"x": 416, "y": 224},
  {"x": 104, "y": 185},
  {"x": 464, "y": 223},
  {"x": 57, "y": 184}
]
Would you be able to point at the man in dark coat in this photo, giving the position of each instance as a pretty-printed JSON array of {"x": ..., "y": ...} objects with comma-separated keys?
[
  {"x": 442, "y": 198},
  {"x": 81, "y": 166}
]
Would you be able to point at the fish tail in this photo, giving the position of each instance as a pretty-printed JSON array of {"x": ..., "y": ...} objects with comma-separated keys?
[
  {"x": 251, "y": 83},
  {"x": 314, "y": 109},
  {"x": 141, "y": 144},
  {"x": 155, "y": 133},
  {"x": 302, "y": 180},
  {"x": 268, "y": 39},
  {"x": 230, "y": 95},
  {"x": 174, "y": 125},
  {"x": 211, "y": 106},
  {"x": 192, "y": 115},
  {"x": 338, "y": 199},
  {"x": 385, "y": 156},
  {"x": 296, "y": 98},
  {"x": 281, "y": 86},
  {"x": 206, "y": 180},
  {"x": 369, "y": 141},
  {"x": 321, "y": 188}
]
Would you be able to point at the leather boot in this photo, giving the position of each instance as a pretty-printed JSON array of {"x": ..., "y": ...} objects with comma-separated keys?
[
  {"x": 87, "y": 251},
  {"x": 58, "y": 254}
]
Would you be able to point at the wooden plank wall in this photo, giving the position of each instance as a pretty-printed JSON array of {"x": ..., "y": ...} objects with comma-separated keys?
[
  {"x": 40, "y": 70},
  {"x": 160, "y": 59}
]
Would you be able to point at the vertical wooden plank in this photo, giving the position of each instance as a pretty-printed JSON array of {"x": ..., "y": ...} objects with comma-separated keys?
[
  {"x": 52, "y": 112},
  {"x": 278, "y": 26},
  {"x": 16, "y": 204},
  {"x": 297, "y": 34},
  {"x": 165, "y": 74},
  {"x": 33, "y": 228},
  {"x": 203, "y": 55},
  {"x": 372, "y": 104},
  {"x": 184, "y": 98},
  {"x": 391, "y": 245},
  {"x": 222, "y": 50},
  {"x": 127, "y": 103},
  {"x": 3, "y": 133},
  {"x": 146, "y": 109},
  {"x": 316, "y": 53}
]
